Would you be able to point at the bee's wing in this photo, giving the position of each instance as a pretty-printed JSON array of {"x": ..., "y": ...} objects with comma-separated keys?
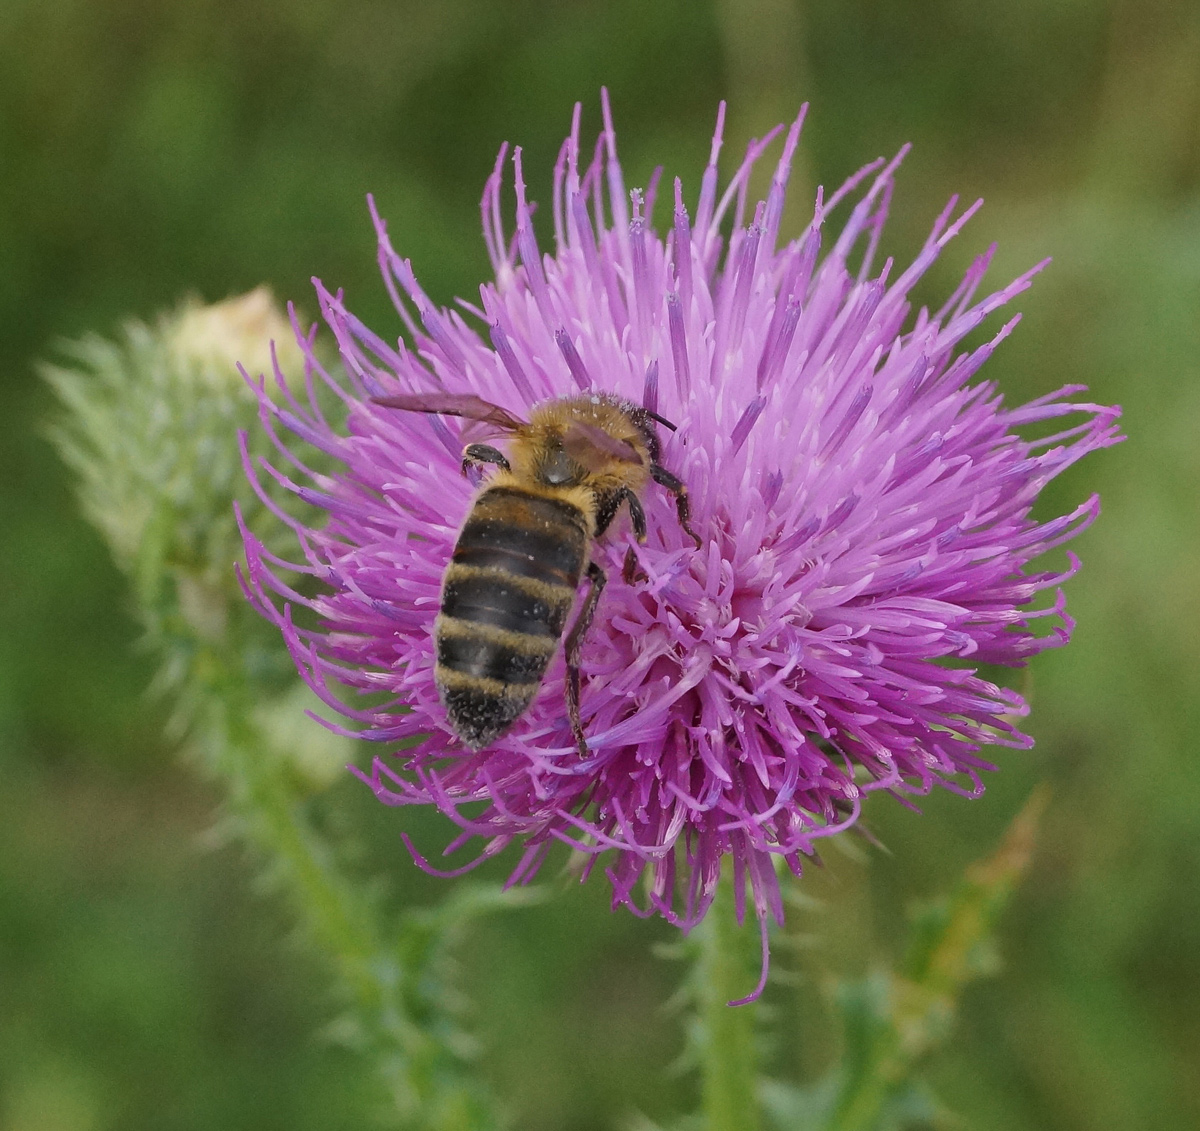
[
  {"x": 454, "y": 404},
  {"x": 592, "y": 447}
]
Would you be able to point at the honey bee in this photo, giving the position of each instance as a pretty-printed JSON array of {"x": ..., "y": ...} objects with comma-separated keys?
[{"x": 526, "y": 545}]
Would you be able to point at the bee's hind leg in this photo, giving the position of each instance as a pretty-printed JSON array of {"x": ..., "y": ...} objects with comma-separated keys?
[
  {"x": 475, "y": 454},
  {"x": 574, "y": 642}
]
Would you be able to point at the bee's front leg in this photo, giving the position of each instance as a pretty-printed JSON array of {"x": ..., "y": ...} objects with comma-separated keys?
[
  {"x": 476, "y": 454},
  {"x": 572, "y": 646},
  {"x": 675, "y": 485}
]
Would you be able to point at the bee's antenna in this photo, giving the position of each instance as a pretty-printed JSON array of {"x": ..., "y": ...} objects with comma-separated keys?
[{"x": 661, "y": 419}]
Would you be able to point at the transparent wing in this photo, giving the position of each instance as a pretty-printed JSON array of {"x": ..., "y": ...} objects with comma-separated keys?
[{"x": 454, "y": 404}]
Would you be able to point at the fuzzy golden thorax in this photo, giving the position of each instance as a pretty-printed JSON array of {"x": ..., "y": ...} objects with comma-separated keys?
[{"x": 580, "y": 449}]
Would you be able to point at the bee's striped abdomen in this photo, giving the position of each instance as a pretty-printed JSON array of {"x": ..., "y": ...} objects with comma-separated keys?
[{"x": 507, "y": 594}]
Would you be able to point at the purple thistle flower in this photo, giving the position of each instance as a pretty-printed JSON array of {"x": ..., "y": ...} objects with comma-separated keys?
[{"x": 864, "y": 506}]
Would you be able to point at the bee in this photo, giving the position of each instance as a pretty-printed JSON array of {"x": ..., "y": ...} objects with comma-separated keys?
[{"x": 526, "y": 544}]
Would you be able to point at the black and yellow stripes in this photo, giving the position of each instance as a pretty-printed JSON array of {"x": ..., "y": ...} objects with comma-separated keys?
[
  {"x": 525, "y": 534},
  {"x": 507, "y": 594},
  {"x": 482, "y": 651}
]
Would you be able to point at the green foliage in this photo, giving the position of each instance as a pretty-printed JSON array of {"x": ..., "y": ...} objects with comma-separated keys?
[
  {"x": 151, "y": 151},
  {"x": 151, "y": 429},
  {"x": 892, "y": 1021}
]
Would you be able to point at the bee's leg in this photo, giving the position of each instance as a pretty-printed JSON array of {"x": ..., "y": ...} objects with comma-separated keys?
[
  {"x": 475, "y": 454},
  {"x": 675, "y": 485},
  {"x": 607, "y": 511},
  {"x": 572, "y": 646},
  {"x": 630, "y": 571}
]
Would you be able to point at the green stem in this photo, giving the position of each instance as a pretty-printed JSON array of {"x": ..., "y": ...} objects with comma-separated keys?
[
  {"x": 430, "y": 1089},
  {"x": 864, "y": 1107},
  {"x": 729, "y": 1048},
  {"x": 341, "y": 924}
]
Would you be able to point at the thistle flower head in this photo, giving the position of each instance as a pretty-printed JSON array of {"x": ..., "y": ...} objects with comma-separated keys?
[{"x": 863, "y": 501}]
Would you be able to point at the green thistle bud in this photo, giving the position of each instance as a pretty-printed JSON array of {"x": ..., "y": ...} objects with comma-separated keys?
[
  {"x": 152, "y": 434},
  {"x": 151, "y": 429}
]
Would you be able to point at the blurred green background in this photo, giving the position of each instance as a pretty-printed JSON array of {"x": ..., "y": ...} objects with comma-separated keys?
[{"x": 154, "y": 149}]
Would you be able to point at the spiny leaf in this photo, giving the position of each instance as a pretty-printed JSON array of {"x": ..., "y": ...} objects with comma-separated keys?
[{"x": 892, "y": 1020}]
